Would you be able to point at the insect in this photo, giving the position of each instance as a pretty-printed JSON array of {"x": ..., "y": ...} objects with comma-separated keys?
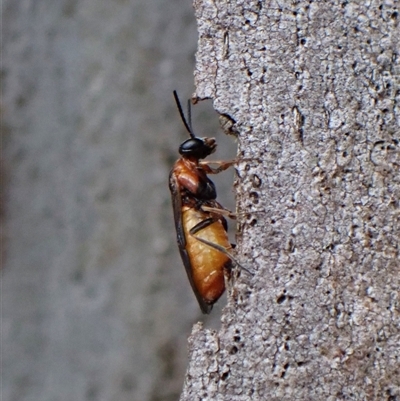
[{"x": 200, "y": 224}]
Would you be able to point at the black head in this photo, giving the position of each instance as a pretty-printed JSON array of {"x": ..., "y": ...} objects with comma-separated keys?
[
  {"x": 199, "y": 148},
  {"x": 194, "y": 146}
]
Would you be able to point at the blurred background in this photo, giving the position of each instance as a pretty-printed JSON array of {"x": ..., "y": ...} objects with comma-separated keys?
[{"x": 95, "y": 301}]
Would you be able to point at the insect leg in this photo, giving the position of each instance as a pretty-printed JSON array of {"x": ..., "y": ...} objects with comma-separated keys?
[
  {"x": 205, "y": 223},
  {"x": 223, "y": 165},
  {"x": 227, "y": 213},
  {"x": 221, "y": 211}
]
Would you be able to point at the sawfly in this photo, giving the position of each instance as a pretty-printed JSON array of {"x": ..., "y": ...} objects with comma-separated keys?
[{"x": 201, "y": 227}]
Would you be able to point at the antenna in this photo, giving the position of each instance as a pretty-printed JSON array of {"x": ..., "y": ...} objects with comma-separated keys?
[
  {"x": 189, "y": 114},
  {"x": 187, "y": 126}
]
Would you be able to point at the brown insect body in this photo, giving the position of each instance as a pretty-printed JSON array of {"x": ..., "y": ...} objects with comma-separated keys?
[{"x": 193, "y": 192}]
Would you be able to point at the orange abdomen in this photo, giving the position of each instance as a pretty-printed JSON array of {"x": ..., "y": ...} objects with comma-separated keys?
[{"x": 207, "y": 263}]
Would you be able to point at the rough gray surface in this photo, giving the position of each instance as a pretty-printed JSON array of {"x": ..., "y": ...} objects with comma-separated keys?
[
  {"x": 95, "y": 301},
  {"x": 314, "y": 88}
]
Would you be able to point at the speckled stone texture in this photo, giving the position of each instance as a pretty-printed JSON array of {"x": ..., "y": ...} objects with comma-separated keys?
[{"x": 313, "y": 89}]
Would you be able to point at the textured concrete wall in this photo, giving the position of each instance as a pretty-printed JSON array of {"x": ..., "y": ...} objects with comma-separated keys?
[
  {"x": 314, "y": 88},
  {"x": 96, "y": 305}
]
